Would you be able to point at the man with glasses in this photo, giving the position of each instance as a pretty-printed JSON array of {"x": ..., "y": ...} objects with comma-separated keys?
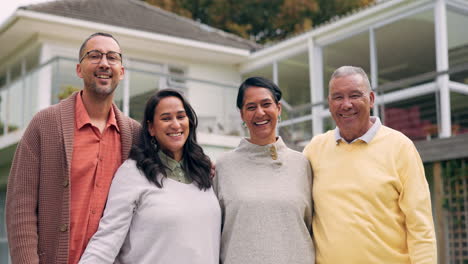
[{"x": 64, "y": 164}]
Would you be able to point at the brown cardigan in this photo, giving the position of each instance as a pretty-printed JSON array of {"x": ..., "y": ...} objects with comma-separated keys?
[{"x": 38, "y": 191}]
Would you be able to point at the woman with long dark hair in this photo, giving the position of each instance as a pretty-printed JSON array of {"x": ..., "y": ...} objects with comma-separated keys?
[
  {"x": 161, "y": 207},
  {"x": 264, "y": 188}
]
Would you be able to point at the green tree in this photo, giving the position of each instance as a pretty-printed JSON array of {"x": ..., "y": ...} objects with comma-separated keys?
[
  {"x": 66, "y": 91},
  {"x": 261, "y": 20}
]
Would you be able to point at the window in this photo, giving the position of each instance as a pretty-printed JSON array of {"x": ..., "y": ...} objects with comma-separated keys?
[{"x": 143, "y": 82}]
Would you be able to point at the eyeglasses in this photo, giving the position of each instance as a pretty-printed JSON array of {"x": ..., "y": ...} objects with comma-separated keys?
[{"x": 95, "y": 56}]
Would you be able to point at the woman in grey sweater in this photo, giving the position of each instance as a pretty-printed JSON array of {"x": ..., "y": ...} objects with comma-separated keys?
[
  {"x": 161, "y": 207},
  {"x": 264, "y": 188}
]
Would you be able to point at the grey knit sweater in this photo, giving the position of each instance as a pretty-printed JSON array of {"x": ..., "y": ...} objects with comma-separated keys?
[{"x": 266, "y": 202}]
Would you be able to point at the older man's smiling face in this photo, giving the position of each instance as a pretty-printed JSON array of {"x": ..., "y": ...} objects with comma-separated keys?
[{"x": 350, "y": 102}]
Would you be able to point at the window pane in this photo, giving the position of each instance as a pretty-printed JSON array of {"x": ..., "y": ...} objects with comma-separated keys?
[
  {"x": 293, "y": 78},
  {"x": 406, "y": 48},
  {"x": 297, "y": 135},
  {"x": 32, "y": 59},
  {"x": 142, "y": 86},
  {"x": 352, "y": 51},
  {"x": 64, "y": 81},
  {"x": 415, "y": 117},
  {"x": 459, "y": 110},
  {"x": 14, "y": 106},
  {"x": 458, "y": 44}
]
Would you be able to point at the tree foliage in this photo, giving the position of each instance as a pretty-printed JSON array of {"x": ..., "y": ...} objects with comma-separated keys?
[{"x": 261, "y": 20}]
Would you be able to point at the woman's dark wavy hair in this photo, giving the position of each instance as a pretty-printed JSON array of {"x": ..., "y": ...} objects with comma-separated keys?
[{"x": 196, "y": 165}]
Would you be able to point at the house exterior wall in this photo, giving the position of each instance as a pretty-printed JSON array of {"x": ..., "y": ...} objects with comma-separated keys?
[{"x": 395, "y": 42}]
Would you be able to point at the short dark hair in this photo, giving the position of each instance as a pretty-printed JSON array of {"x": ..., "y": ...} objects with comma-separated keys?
[
  {"x": 196, "y": 165},
  {"x": 258, "y": 82},
  {"x": 83, "y": 45}
]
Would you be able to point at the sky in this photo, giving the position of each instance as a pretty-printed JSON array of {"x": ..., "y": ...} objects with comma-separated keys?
[{"x": 8, "y": 7}]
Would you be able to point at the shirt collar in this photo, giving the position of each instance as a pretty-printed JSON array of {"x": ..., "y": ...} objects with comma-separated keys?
[
  {"x": 82, "y": 117},
  {"x": 169, "y": 162},
  {"x": 367, "y": 137}
]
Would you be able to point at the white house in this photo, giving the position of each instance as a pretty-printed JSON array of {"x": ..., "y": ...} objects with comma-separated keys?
[{"x": 414, "y": 51}]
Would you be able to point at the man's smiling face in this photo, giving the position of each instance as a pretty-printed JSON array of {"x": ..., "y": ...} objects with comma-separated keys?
[
  {"x": 100, "y": 78},
  {"x": 350, "y": 102}
]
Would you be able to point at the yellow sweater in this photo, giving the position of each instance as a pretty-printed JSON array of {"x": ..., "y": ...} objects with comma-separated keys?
[{"x": 371, "y": 201}]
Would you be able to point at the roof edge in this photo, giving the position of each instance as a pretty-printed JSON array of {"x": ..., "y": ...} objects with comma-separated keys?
[{"x": 132, "y": 32}]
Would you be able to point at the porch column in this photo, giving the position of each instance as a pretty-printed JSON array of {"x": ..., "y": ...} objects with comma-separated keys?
[
  {"x": 276, "y": 81},
  {"x": 126, "y": 90},
  {"x": 24, "y": 96},
  {"x": 44, "y": 94},
  {"x": 374, "y": 71},
  {"x": 7, "y": 102},
  {"x": 275, "y": 73},
  {"x": 316, "y": 85},
  {"x": 440, "y": 17}
]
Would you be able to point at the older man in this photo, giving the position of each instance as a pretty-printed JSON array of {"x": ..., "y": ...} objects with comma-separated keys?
[
  {"x": 371, "y": 198},
  {"x": 64, "y": 164}
]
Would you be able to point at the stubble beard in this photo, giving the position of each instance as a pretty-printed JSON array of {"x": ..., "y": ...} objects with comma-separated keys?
[{"x": 101, "y": 91}]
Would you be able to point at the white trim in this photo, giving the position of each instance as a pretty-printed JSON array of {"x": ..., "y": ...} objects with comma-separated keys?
[
  {"x": 132, "y": 32},
  {"x": 275, "y": 73},
  {"x": 458, "y": 87},
  {"x": 276, "y": 81},
  {"x": 342, "y": 34},
  {"x": 6, "y": 122},
  {"x": 126, "y": 89},
  {"x": 23, "y": 91},
  {"x": 257, "y": 62},
  {"x": 44, "y": 95},
  {"x": 457, "y": 5},
  {"x": 374, "y": 71},
  {"x": 441, "y": 39},
  {"x": 316, "y": 85},
  {"x": 408, "y": 93},
  {"x": 401, "y": 15}
]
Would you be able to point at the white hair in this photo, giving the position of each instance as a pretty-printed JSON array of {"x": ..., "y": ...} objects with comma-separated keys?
[{"x": 350, "y": 70}]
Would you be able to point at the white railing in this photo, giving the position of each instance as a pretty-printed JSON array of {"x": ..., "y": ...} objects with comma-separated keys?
[{"x": 20, "y": 99}]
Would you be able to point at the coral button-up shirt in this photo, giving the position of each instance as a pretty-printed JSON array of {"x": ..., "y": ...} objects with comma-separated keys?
[{"x": 96, "y": 157}]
